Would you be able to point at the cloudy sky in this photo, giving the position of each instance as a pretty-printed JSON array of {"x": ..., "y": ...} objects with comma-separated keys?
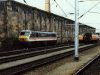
[{"x": 90, "y": 9}]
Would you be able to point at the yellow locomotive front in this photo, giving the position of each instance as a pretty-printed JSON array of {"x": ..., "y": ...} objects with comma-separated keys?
[{"x": 24, "y": 36}]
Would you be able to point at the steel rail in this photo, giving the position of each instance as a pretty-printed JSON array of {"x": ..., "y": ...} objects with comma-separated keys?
[
  {"x": 23, "y": 61},
  {"x": 25, "y": 66},
  {"x": 87, "y": 65},
  {"x": 26, "y": 50},
  {"x": 30, "y": 54}
]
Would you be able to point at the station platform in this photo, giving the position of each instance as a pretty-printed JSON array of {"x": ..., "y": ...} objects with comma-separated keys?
[{"x": 71, "y": 66}]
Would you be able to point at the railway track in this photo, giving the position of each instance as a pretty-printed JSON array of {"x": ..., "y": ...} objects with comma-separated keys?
[
  {"x": 8, "y": 53},
  {"x": 9, "y": 49},
  {"x": 91, "y": 68},
  {"x": 26, "y": 53},
  {"x": 16, "y": 61}
]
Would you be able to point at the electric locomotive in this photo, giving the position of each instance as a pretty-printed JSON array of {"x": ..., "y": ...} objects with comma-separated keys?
[
  {"x": 98, "y": 35},
  {"x": 81, "y": 37},
  {"x": 95, "y": 37},
  {"x": 30, "y": 36},
  {"x": 88, "y": 37}
]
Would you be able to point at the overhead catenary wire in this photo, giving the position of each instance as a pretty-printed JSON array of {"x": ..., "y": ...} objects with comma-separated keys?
[
  {"x": 92, "y": 23},
  {"x": 94, "y": 4},
  {"x": 54, "y": 0},
  {"x": 60, "y": 7},
  {"x": 70, "y": 4},
  {"x": 94, "y": 12},
  {"x": 89, "y": 10},
  {"x": 97, "y": 7}
]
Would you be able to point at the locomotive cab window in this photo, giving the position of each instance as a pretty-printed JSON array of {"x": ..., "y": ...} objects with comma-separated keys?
[
  {"x": 33, "y": 35},
  {"x": 24, "y": 33}
]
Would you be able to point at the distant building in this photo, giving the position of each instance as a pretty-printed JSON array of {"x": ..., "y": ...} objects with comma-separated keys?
[{"x": 47, "y": 5}]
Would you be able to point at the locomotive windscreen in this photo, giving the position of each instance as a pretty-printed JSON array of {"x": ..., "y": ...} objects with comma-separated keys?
[{"x": 24, "y": 33}]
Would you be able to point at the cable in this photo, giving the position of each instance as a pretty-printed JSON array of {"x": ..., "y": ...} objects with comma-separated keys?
[
  {"x": 94, "y": 12},
  {"x": 70, "y": 4},
  {"x": 94, "y": 4},
  {"x": 88, "y": 10},
  {"x": 92, "y": 23},
  {"x": 97, "y": 7},
  {"x": 54, "y": 0},
  {"x": 60, "y": 8}
]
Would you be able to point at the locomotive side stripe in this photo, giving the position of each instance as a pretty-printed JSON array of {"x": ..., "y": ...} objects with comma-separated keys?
[{"x": 42, "y": 38}]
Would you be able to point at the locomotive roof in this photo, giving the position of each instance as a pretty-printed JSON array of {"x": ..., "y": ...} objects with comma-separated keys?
[{"x": 36, "y": 31}]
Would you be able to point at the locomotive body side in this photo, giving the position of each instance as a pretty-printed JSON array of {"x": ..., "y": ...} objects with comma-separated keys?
[
  {"x": 37, "y": 37},
  {"x": 88, "y": 37},
  {"x": 42, "y": 36},
  {"x": 81, "y": 37},
  {"x": 94, "y": 37}
]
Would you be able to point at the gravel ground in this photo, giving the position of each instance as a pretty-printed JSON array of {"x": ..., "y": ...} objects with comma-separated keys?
[{"x": 65, "y": 66}]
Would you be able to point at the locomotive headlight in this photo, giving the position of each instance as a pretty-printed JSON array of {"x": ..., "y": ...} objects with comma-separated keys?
[
  {"x": 27, "y": 36},
  {"x": 23, "y": 36}
]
